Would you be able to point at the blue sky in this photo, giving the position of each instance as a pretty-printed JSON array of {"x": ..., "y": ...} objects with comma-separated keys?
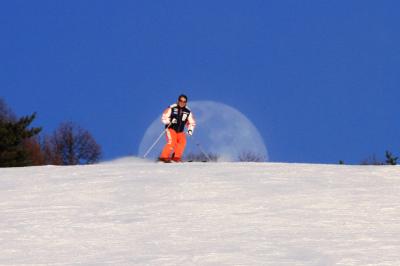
[{"x": 319, "y": 79}]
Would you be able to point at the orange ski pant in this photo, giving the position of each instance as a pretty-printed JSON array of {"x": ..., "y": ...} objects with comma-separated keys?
[{"x": 176, "y": 142}]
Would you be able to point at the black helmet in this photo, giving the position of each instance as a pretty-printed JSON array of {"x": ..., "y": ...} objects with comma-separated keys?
[{"x": 182, "y": 96}]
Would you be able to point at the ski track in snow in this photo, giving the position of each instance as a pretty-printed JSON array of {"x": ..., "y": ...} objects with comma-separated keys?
[{"x": 141, "y": 213}]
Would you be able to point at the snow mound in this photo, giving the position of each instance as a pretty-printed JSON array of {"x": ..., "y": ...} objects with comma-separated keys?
[
  {"x": 128, "y": 160},
  {"x": 132, "y": 212}
]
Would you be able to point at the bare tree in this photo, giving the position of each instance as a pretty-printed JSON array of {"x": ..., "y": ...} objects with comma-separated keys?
[
  {"x": 372, "y": 160},
  {"x": 200, "y": 157},
  {"x": 249, "y": 156},
  {"x": 34, "y": 151},
  {"x": 71, "y": 145},
  {"x": 49, "y": 151}
]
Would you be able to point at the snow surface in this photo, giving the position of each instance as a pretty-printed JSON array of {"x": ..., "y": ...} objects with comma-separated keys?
[{"x": 133, "y": 212}]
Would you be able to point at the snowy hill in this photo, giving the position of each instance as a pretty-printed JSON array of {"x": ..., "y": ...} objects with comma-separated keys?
[{"x": 132, "y": 212}]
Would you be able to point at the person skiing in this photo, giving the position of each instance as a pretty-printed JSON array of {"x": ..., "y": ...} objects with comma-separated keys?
[{"x": 175, "y": 118}]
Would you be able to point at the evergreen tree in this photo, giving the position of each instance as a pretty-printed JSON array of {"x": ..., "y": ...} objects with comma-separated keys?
[
  {"x": 390, "y": 159},
  {"x": 13, "y": 134}
]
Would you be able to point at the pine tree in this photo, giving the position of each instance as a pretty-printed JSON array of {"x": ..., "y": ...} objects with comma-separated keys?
[
  {"x": 390, "y": 159},
  {"x": 13, "y": 134}
]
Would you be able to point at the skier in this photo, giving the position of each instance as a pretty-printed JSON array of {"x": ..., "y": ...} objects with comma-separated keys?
[{"x": 175, "y": 118}]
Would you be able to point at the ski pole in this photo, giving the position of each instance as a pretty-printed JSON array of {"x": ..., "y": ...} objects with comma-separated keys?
[
  {"x": 201, "y": 149},
  {"x": 157, "y": 140}
]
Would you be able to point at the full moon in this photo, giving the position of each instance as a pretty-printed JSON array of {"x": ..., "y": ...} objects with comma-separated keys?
[{"x": 221, "y": 130}]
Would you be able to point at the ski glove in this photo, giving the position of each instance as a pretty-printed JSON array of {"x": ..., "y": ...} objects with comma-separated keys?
[
  {"x": 190, "y": 132},
  {"x": 174, "y": 121}
]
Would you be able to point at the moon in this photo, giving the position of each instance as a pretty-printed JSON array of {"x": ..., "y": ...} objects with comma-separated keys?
[{"x": 220, "y": 130}]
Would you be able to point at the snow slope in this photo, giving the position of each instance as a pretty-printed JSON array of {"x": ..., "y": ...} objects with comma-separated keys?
[{"x": 132, "y": 212}]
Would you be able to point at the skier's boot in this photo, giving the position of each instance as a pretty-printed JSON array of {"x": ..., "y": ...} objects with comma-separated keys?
[
  {"x": 176, "y": 160},
  {"x": 164, "y": 160}
]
